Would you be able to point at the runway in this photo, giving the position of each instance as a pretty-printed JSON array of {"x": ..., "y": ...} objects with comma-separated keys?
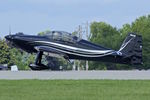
[{"x": 74, "y": 75}]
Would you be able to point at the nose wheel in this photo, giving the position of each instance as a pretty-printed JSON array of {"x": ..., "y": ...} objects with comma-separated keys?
[{"x": 38, "y": 67}]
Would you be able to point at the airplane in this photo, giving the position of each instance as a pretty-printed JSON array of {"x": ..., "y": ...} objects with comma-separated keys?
[{"x": 68, "y": 46}]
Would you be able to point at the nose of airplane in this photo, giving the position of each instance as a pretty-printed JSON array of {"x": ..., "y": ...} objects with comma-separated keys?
[
  {"x": 8, "y": 37},
  {"x": 9, "y": 40}
]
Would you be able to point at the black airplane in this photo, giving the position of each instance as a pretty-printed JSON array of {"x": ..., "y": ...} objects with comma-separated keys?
[{"x": 63, "y": 44}]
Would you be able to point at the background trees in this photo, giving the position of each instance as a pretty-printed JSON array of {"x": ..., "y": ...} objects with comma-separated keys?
[
  {"x": 142, "y": 26},
  {"x": 106, "y": 35},
  {"x": 6, "y": 57}
]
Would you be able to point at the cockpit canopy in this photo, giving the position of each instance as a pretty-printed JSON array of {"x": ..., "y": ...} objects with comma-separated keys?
[{"x": 62, "y": 36}]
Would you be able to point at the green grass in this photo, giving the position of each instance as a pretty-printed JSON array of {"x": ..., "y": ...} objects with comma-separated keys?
[{"x": 74, "y": 90}]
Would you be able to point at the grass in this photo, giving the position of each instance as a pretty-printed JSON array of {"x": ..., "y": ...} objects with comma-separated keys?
[{"x": 74, "y": 89}]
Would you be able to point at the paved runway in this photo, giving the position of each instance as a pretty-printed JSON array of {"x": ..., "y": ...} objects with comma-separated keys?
[{"x": 119, "y": 75}]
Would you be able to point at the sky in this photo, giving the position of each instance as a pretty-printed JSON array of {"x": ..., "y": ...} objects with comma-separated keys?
[{"x": 34, "y": 16}]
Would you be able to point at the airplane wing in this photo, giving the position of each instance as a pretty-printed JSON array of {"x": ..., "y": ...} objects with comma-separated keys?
[{"x": 51, "y": 52}]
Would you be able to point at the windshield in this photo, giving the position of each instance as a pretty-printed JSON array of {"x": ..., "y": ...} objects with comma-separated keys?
[{"x": 63, "y": 36}]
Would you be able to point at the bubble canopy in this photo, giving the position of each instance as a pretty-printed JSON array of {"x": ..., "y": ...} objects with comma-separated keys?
[{"x": 62, "y": 36}]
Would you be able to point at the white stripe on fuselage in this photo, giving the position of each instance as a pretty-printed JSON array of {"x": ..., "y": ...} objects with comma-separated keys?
[
  {"x": 77, "y": 49},
  {"x": 77, "y": 54}
]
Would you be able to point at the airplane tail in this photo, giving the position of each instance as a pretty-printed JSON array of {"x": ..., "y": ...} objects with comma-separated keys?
[{"x": 132, "y": 48}]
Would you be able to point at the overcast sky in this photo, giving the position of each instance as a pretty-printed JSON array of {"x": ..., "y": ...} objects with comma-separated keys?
[{"x": 33, "y": 16}]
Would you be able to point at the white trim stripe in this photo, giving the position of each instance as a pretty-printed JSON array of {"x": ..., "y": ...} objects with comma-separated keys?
[
  {"x": 83, "y": 55},
  {"x": 124, "y": 45},
  {"x": 77, "y": 49}
]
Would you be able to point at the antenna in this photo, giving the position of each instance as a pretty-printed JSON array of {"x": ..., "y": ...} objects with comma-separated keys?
[{"x": 9, "y": 30}]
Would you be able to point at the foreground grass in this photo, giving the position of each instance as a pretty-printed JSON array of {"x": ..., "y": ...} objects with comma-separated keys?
[{"x": 74, "y": 90}]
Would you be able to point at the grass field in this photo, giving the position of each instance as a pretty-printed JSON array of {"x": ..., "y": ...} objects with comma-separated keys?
[{"x": 74, "y": 90}]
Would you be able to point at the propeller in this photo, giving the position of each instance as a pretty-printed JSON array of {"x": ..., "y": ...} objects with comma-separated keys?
[
  {"x": 9, "y": 37},
  {"x": 9, "y": 30}
]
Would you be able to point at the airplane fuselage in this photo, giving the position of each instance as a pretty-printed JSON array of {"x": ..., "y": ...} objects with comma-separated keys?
[
  {"x": 63, "y": 44},
  {"x": 71, "y": 49}
]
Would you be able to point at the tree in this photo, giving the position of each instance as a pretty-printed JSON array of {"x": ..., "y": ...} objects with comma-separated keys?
[
  {"x": 44, "y": 32},
  {"x": 106, "y": 35},
  {"x": 12, "y": 56},
  {"x": 102, "y": 33},
  {"x": 142, "y": 26},
  {"x": 5, "y": 54}
]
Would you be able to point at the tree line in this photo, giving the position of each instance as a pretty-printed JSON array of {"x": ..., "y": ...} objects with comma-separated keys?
[
  {"x": 111, "y": 37},
  {"x": 100, "y": 33}
]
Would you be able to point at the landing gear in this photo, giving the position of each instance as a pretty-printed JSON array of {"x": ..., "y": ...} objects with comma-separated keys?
[{"x": 38, "y": 65}]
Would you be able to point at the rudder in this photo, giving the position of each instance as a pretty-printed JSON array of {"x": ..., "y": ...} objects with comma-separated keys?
[{"x": 132, "y": 48}]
